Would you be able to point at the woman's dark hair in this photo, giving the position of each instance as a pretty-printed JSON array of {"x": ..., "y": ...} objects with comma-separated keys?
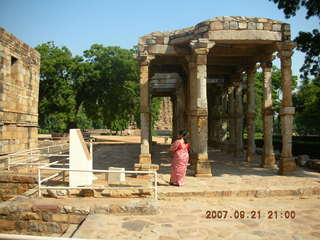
[{"x": 183, "y": 133}]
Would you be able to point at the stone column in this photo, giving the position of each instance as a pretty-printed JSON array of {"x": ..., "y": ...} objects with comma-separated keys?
[
  {"x": 251, "y": 113},
  {"x": 268, "y": 158},
  {"x": 211, "y": 120},
  {"x": 238, "y": 119},
  {"x": 145, "y": 115},
  {"x": 224, "y": 120},
  {"x": 175, "y": 129},
  {"x": 180, "y": 106},
  {"x": 287, "y": 164},
  {"x": 199, "y": 106},
  {"x": 231, "y": 120}
]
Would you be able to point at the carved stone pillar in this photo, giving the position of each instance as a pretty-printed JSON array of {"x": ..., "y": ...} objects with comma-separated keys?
[
  {"x": 287, "y": 164},
  {"x": 268, "y": 158},
  {"x": 175, "y": 130},
  {"x": 231, "y": 120},
  {"x": 180, "y": 106},
  {"x": 224, "y": 120},
  {"x": 145, "y": 156},
  {"x": 199, "y": 106},
  {"x": 218, "y": 133},
  {"x": 251, "y": 113},
  {"x": 238, "y": 120}
]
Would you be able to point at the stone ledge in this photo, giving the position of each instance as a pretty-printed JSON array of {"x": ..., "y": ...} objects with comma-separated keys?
[{"x": 244, "y": 193}]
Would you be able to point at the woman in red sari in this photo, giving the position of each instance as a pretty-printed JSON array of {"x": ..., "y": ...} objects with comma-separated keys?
[{"x": 180, "y": 159}]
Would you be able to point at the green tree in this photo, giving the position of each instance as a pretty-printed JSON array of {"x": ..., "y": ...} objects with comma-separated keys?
[
  {"x": 307, "y": 103},
  {"x": 307, "y": 42},
  {"x": 56, "y": 96},
  {"x": 111, "y": 90},
  {"x": 276, "y": 97}
]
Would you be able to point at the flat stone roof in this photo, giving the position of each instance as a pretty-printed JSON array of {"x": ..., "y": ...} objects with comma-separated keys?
[{"x": 219, "y": 29}]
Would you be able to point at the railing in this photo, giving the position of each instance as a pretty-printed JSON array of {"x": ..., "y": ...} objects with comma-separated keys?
[
  {"x": 61, "y": 171},
  {"x": 33, "y": 157}
]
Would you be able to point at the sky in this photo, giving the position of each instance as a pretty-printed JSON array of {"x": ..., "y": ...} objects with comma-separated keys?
[{"x": 78, "y": 24}]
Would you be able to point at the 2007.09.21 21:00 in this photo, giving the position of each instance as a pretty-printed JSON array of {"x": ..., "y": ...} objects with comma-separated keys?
[{"x": 253, "y": 214}]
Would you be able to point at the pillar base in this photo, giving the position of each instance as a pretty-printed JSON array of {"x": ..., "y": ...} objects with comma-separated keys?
[
  {"x": 203, "y": 168},
  {"x": 145, "y": 158},
  {"x": 268, "y": 161},
  {"x": 146, "y": 167},
  {"x": 287, "y": 165}
]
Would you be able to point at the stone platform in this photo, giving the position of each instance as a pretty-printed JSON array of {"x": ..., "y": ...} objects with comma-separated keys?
[
  {"x": 232, "y": 177},
  {"x": 235, "y": 178}
]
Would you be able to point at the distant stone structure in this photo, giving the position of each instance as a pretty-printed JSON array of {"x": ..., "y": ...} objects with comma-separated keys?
[
  {"x": 165, "y": 116},
  {"x": 19, "y": 92},
  {"x": 207, "y": 70}
]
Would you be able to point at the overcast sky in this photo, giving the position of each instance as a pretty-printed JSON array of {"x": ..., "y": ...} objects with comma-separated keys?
[{"x": 78, "y": 24}]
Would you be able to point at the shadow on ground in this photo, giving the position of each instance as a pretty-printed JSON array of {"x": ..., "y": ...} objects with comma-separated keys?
[{"x": 125, "y": 155}]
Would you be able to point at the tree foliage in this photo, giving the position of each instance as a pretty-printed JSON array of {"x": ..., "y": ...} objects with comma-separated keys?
[
  {"x": 276, "y": 97},
  {"x": 307, "y": 102},
  {"x": 111, "y": 92},
  {"x": 99, "y": 89},
  {"x": 307, "y": 42},
  {"x": 56, "y": 95}
]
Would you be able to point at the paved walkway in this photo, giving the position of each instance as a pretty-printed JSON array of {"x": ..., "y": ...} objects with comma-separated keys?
[
  {"x": 291, "y": 202},
  {"x": 185, "y": 218}
]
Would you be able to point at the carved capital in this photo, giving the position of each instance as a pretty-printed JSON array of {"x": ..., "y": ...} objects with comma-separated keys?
[
  {"x": 285, "y": 49},
  {"x": 144, "y": 58},
  {"x": 201, "y": 45}
]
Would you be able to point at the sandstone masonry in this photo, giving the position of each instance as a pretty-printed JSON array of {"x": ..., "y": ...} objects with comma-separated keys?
[{"x": 19, "y": 92}]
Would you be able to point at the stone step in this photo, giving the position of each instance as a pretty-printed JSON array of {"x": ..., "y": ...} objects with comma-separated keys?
[{"x": 261, "y": 193}]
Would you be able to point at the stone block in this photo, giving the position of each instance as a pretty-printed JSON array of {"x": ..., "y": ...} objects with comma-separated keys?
[
  {"x": 226, "y": 25},
  {"x": 7, "y": 225},
  {"x": 61, "y": 218},
  {"x": 216, "y": 26},
  {"x": 76, "y": 219},
  {"x": 243, "y": 25},
  {"x": 116, "y": 177},
  {"x": 276, "y": 27},
  {"x": 267, "y": 26},
  {"x": 233, "y": 25},
  {"x": 86, "y": 193},
  {"x": 252, "y": 26},
  {"x": 245, "y": 35},
  {"x": 259, "y": 26},
  {"x": 29, "y": 216},
  {"x": 53, "y": 208}
]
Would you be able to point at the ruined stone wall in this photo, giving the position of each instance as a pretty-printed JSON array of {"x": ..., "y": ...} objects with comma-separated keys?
[
  {"x": 165, "y": 116},
  {"x": 13, "y": 185},
  {"x": 19, "y": 92}
]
